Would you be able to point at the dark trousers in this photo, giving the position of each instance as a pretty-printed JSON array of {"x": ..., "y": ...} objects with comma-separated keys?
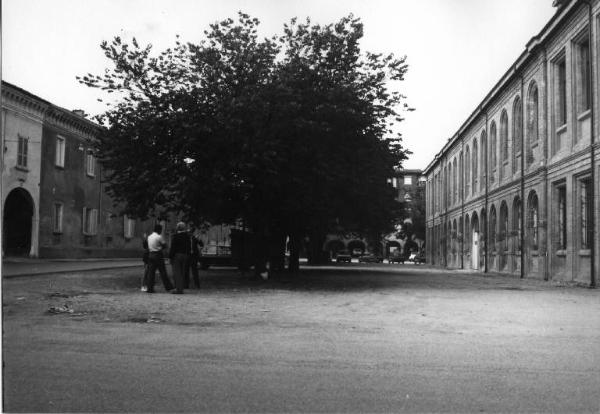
[
  {"x": 179, "y": 262},
  {"x": 192, "y": 266},
  {"x": 157, "y": 262}
]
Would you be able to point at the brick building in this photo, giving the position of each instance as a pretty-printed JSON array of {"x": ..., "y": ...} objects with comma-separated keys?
[
  {"x": 515, "y": 189},
  {"x": 54, "y": 201}
]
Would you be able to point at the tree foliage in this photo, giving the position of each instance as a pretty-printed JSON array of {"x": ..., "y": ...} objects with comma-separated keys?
[{"x": 293, "y": 133}]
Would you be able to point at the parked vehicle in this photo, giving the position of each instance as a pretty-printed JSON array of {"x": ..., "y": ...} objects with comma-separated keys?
[
  {"x": 214, "y": 255},
  {"x": 343, "y": 256},
  {"x": 370, "y": 258},
  {"x": 397, "y": 257},
  {"x": 420, "y": 257}
]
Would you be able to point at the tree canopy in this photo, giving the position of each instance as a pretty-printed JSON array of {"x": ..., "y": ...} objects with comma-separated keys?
[{"x": 292, "y": 133}]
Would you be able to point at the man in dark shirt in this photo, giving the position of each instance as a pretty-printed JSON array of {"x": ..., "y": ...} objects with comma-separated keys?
[
  {"x": 181, "y": 247},
  {"x": 192, "y": 264}
]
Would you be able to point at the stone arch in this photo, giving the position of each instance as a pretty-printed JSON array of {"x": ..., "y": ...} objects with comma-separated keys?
[
  {"x": 517, "y": 223},
  {"x": 503, "y": 234},
  {"x": 517, "y": 132},
  {"x": 532, "y": 121},
  {"x": 356, "y": 247},
  {"x": 17, "y": 236},
  {"x": 532, "y": 220},
  {"x": 483, "y": 159},
  {"x": 474, "y": 169}
]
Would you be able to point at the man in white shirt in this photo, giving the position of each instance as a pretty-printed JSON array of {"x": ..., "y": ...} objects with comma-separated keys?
[{"x": 156, "y": 244}]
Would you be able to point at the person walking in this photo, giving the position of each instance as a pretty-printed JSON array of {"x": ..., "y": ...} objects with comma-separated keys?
[
  {"x": 156, "y": 244},
  {"x": 181, "y": 248},
  {"x": 192, "y": 263}
]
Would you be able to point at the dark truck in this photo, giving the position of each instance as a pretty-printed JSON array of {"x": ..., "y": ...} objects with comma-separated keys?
[{"x": 239, "y": 254}]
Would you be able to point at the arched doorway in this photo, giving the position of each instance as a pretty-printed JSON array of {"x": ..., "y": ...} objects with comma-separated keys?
[
  {"x": 475, "y": 241},
  {"x": 17, "y": 223}
]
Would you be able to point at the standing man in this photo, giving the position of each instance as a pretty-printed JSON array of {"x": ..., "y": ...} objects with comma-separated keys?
[
  {"x": 192, "y": 264},
  {"x": 156, "y": 244},
  {"x": 181, "y": 248}
]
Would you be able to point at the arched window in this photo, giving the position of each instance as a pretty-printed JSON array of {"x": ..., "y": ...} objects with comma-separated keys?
[
  {"x": 532, "y": 121},
  {"x": 460, "y": 176},
  {"x": 467, "y": 170},
  {"x": 474, "y": 171},
  {"x": 532, "y": 220},
  {"x": 493, "y": 150},
  {"x": 483, "y": 142},
  {"x": 450, "y": 182},
  {"x": 454, "y": 183},
  {"x": 492, "y": 228},
  {"x": 445, "y": 190},
  {"x": 467, "y": 234},
  {"x": 504, "y": 136},
  {"x": 517, "y": 131},
  {"x": 504, "y": 226},
  {"x": 517, "y": 222}
]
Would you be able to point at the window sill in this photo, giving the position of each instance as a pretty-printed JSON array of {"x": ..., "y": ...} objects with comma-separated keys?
[
  {"x": 535, "y": 253},
  {"x": 561, "y": 129},
  {"x": 59, "y": 167},
  {"x": 535, "y": 143},
  {"x": 90, "y": 175},
  {"x": 57, "y": 232},
  {"x": 585, "y": 252},
  {"x": 584, "y": 115},
  {"x": 561, "y": 253},
  {"x": 21, "y": 168}
]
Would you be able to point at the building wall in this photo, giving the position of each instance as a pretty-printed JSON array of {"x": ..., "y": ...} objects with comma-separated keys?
[
  {"x": 69, "y": 184},
  {"x": 495, "y": 205},
  {"x": 22, "y": 116}
]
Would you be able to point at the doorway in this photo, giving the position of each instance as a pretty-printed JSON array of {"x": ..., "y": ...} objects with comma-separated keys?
[{"x": 17, "y": 223}]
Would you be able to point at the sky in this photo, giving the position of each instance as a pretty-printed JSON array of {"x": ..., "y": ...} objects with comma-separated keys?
[{"x": 456, "y": 49}]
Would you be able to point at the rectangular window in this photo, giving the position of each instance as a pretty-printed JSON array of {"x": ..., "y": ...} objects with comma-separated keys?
[
  {"x": 407, "y": 180},
  {"x": 128, "y": 227},
  {"x": 59, "y": 159},
  {"x": 57, "y": 218},
  {"x": 561, "y": 193},
  {"x": 22, "y": 150},
  {"x": 585, "y": 213},
  {"x": 584, "y": 90},
  {"x": 90, "y": 163},
  {"x": 90, "y": 221},
  {"x": 560, "y": 82}
]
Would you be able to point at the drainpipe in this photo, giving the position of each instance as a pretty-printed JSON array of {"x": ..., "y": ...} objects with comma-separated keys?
[
  {"x": 592, "y": 149},
  {"x": 462, "y": 201},
  {"x": 485, "y": 222},
  {"x": 546, "y": 207},
  {"x": 522, "y": 207}
]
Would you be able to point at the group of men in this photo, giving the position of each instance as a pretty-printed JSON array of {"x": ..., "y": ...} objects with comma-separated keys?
[{"x": 184, "y": 252}]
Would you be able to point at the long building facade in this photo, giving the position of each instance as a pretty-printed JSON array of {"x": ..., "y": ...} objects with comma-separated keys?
[{"x": 515, "y": 189}]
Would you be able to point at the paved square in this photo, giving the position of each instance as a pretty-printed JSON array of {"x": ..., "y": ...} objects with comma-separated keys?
[{"x": 332, "y": 339}]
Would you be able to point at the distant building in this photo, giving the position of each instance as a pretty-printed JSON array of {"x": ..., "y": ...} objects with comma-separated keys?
[
  {"x": 406, "y": 183},
  {"x": 515, "y": 189},
  {"x": 54, "y": 201}
]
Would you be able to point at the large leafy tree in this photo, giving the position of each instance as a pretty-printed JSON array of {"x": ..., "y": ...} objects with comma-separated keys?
[{"x": 291, "y": 133}]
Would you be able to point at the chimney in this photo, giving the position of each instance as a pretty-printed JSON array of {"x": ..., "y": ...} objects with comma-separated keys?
[
  {"x": 79, "y": 112},
  {"x": 559, "y": 4}
]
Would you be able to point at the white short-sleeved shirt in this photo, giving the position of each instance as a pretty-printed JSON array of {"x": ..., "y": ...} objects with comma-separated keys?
[{"x": 155, "y": 242}]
